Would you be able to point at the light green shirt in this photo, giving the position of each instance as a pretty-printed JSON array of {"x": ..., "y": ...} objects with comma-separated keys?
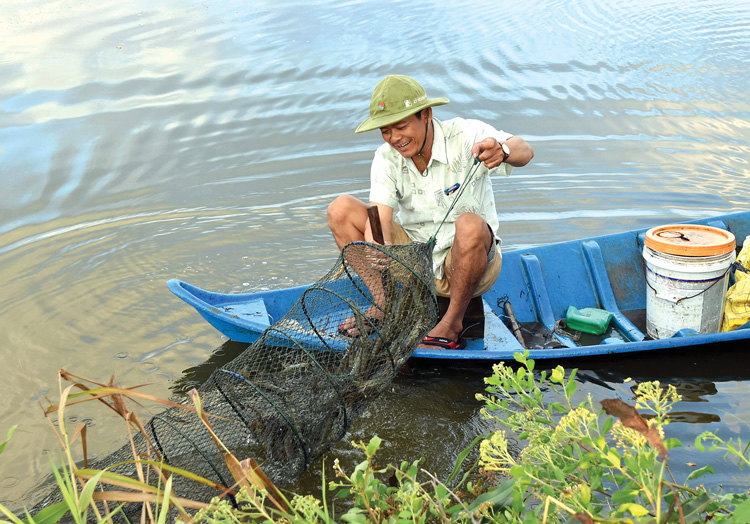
[{"x": 419, "y": 199}]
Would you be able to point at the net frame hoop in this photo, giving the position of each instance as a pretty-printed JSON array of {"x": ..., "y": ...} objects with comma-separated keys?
[
  {"x": 382, "y": 249},
  {"x": 316, "y": 364},
  {"x": 280, "y": 411},
  {"x": 353, "y": 307},
  {"x": 200, "y": 452}
]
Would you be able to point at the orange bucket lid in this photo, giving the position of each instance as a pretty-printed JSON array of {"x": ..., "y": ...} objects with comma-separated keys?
[{"x": 691, "y": 240}]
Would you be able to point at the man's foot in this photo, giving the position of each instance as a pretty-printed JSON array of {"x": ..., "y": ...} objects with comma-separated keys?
[
  {"x": 442, "y": 336},
  {"x": 349, "y": 327},
  {"x": 429, "y": 342},
  {"x": 371, "y": 321}
]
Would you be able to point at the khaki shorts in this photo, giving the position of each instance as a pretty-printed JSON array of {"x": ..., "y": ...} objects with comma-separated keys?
[{"x": 443, "y": 285}]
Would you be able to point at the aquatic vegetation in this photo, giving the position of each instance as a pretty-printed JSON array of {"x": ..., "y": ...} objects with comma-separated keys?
[
  {"x": 579, "y": 460},
  {"x": 595, "y": 463}
]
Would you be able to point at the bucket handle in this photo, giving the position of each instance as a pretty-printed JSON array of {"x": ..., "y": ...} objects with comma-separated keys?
[
  {"x": 678, "y": 300},
  {"x": 672, "y": 234}
]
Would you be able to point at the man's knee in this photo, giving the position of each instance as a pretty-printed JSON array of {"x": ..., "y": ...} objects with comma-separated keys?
[
  {"x": 471, "y": 229},
  {"x": 341, "y": 209}
]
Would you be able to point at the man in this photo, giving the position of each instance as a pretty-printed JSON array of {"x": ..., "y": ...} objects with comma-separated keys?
[{"x": 414, "y": 178}]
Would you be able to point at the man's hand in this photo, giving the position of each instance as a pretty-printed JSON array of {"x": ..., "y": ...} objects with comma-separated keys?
[{"x": 489, "y": 151}]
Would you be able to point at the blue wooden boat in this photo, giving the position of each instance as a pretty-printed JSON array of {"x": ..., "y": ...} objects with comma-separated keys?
[{"x": 605, "y": 272}]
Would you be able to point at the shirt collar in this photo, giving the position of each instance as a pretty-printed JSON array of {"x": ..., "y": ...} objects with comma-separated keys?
[{"x": 439, "y": 152}]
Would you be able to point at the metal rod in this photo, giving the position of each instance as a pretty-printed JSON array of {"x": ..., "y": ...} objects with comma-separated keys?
[{"x": 515, "y": 327}]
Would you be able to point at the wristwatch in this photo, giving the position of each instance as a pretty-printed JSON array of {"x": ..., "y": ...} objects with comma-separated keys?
[{"x": 506, "y": 150}]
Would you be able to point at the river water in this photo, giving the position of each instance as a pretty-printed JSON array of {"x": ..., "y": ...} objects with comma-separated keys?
[{"x": 143, "y": 141}]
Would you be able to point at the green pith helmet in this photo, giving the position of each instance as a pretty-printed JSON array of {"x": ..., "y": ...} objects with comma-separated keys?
[{"x": 395, "y": 98}]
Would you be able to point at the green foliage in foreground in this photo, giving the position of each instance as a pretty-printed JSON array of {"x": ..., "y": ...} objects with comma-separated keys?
[{"x": 579, "y": 462}]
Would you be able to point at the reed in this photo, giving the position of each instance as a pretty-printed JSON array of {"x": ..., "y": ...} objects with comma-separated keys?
[{"x": 83, "y": 494}]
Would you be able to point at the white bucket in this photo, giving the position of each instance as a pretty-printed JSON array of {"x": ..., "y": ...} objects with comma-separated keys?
[{"x": 685, "y": 292}]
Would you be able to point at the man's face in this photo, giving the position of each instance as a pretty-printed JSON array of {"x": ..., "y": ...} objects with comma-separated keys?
[{"x": 406, "y": 136}]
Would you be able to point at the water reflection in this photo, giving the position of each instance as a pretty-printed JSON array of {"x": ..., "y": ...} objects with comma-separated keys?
[{"x": 141, "y": 142}]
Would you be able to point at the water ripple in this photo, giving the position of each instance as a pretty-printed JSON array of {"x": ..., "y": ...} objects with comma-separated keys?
[{"x": 142, "y": 141}]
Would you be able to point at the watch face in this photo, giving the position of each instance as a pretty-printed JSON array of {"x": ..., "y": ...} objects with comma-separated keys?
[{"x": 505, "y": 148}]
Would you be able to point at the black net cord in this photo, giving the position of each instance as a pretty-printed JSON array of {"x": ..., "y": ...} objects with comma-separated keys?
[
  {"x": 198, "y": 449},
  {"x": 303, "y": 444}
]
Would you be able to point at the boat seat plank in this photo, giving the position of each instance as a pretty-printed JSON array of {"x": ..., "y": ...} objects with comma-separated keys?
[
  {"x": 254, "y": 311},
  {"x": 540, "y": 297},
  {"x": 600, "y": 278}
]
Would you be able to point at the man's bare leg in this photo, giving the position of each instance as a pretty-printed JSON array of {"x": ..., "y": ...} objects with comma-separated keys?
[
  {"x": 347, "y": 219},
  {"x": 469, "y": 258}
]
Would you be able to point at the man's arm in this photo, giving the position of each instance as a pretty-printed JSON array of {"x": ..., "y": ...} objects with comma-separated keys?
[
  {"x": 386, "y": 217},
  {"x": 491, "y": 152}
]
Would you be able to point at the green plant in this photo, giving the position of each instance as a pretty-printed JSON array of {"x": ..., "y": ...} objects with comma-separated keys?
[
  {"x": 579, "y": 462},
  {"x": 403, "y": 499}
]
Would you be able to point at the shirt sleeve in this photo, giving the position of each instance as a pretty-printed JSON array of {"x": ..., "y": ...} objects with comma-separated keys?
[{"x": 383, "y": 189}]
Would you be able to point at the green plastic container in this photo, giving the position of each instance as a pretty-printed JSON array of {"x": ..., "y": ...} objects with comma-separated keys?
[{"x": 588, "y": 320}]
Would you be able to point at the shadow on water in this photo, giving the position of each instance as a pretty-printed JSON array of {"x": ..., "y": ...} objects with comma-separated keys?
[
  {"x": 694, "y": 372},
  {"x": 433, "y": 414},
  {"x": 195, "y": 376}
]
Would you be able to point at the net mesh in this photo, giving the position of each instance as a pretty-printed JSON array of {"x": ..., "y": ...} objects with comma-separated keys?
[{"x": 291, "y": 395}]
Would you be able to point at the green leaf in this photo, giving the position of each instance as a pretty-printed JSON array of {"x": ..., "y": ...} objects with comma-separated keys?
[
  {"x": 7, "y": 439},
  {"x": 88, "y": 489},
  {"x": 15, "y": 519},
  {"x": 700, "y": 472},
  {"x": 50, "y": 514},
  {"x": 624, "y": 496},
  {"x": 693, "y": 509},
  {"x": 66, "y": 490},
  {"x": 373, "y": 445},
  {"x": 699, "y": 443},
  {"x": 518, "y": 502},
  {"x": 613, "y": 457},
  {"x": 571, "y": 386},
  {"x": 502, "y": 496},
  {"x": 164, "y": 509},
  {"x": 608, "y": 425},
  {"x": 355, "y": 516},
  {"x": 742, "y": 513},
  {"x": 635, "y": 509},
  {"x": 558, "y": 374},
  {"x": 585, "y": 493},
  {"x": 672, "y": 443},
  {"x": 558, "y": 407},
  {"x": 631, "y": 463},
  {"x": 462, "y": 456}
]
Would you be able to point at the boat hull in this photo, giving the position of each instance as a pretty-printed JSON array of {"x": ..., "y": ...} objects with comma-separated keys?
[{"x": 605, "y": 272}]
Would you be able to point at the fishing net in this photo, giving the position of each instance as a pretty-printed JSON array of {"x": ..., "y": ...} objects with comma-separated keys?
[{"x": 291, "y": 395}]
